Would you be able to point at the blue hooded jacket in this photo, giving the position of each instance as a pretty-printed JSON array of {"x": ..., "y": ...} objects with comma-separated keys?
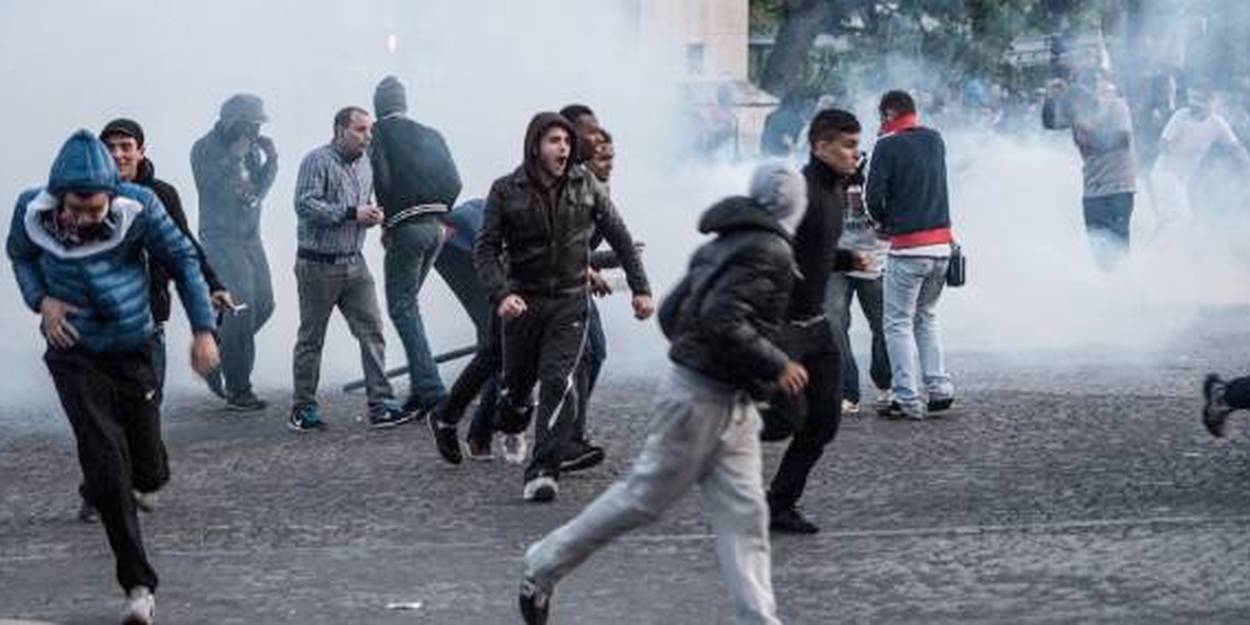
[{"x": 106, "y": 278}]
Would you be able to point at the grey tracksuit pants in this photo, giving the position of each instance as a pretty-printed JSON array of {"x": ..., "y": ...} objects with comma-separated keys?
[{"x": 704, "y": 433}]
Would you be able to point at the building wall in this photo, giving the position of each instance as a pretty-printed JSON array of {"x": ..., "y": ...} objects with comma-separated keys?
[{"x": 712, "y": 33}]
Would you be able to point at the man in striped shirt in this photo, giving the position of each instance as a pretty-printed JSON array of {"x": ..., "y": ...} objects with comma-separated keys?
[{"x": 333, "y": 204}]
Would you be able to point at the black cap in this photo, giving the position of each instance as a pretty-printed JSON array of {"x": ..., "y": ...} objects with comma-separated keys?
[{"x": 123, "y": 126}]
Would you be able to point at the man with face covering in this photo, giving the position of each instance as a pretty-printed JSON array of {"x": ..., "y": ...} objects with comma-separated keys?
[
  {"x": 79, "y": 247},
  {"x": 721, "y": 321},
  {"x": 532, "y": 254},
  {"x": 234, "y": 167}
]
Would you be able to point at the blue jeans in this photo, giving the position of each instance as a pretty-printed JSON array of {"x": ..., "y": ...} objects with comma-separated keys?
[
  {"x": 1107, "y": 222},
  {"x": 913, "y": 285},
  {"x": 411, "y": 248}
]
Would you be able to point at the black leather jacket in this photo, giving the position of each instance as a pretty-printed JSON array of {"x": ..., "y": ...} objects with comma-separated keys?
[
  {"x": 532, "y": 245},
  {"x": 723, "y": 317}
]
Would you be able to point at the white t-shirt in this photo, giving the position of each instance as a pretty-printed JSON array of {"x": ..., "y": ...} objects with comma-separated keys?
[{"x": 1187, "y": 139}]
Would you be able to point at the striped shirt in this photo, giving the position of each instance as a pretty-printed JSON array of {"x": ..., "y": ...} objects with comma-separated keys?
[{"x": 327, "y": 192}]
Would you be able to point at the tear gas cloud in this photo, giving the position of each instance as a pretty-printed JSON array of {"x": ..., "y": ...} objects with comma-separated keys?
[{"x": 477, "y": 70}]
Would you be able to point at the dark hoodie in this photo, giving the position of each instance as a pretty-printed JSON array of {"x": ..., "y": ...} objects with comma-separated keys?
[
  {"x": 722, "y": 317},
  {"x": 545, "y": 231},
  {"x": 158, "y": 275}
]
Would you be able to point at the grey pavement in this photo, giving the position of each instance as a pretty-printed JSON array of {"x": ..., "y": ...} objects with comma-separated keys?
[{"x": 1065, "y": 488}]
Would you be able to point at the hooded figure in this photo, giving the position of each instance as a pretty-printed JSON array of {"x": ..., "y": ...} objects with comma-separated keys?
[{"x": 704, "y": 428}]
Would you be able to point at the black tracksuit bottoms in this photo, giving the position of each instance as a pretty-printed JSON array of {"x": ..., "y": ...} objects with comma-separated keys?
[
  {"x": 112, "y": 402},
  {"x": 544, "y": 346},
  {"x": 816, "y": 413}
]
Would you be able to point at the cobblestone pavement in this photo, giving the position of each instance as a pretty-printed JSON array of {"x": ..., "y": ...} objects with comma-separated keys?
[{"x": 1066, "y": 488}]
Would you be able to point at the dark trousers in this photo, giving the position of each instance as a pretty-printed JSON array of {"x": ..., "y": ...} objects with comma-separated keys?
[
  {"x": 1107, "y": 220},
  {"x": 244, "y": 270},
  {"x": 1237, "y": 394},
  {"x": 588, "y": 374},
  {"x": 111, "y": 402},
  {"x": 158, "y": 361},
  {"x": 817, "y": 412},
  {"x": 842, "y": 289},
  {"x": 481, "y": 375},
  {"x": 544, "y": 347}
]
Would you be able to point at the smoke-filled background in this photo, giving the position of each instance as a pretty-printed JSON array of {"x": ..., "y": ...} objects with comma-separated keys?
[{"x": 477, "y": 70}]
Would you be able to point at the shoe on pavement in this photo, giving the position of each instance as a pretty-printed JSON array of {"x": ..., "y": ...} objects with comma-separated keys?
[
  {"x": 583, "y": 456},
  {"x": 418, "y": 409},
  {"x": 541, "y": 489},
  {"x": 389, "y": 414},
  {"x": 145, "y": 501},
  {"x": 1215, "y": 410},
  {"x": 534, "y": 603},
  {"x": 445, "y": 439},
  {"x": 850, "y": 407},
  {"x": 246, "y": 401},
  {"x": 305, "y": 419},
  {"x": 791, "y": 521},
  {"x": 940, "y": 405},
  {"x": 87, "y": 513},
  {"x": 478, "y": 451},
  {"x": 140, "y": 607},
  {"x": 515, "y": 448},
  {"x": 884, "y": 399}
]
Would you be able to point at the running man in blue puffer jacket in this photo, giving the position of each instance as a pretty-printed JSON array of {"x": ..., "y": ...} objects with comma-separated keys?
[{"x": 80, "y": 248}]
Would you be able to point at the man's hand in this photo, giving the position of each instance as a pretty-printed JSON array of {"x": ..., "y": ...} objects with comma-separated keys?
[
  {"x": 266, "y": 146},
  {"x": 223, "y": 302},
  {"x": 599, "y": 286},
  {"x": 56, "y": 325},
  {"x": 369, "y": 214},
  {"x": 644, "y": 306},
  {"x": 863, "y": 261},
  {"x": 512, "y": 307},
  {"x": 204, "y": 355},
  {"x": 793, "y": 379}
]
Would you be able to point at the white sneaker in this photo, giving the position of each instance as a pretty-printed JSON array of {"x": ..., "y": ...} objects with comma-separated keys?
[
  {"x": 850, "y": 407},
  {"x": 541, "y": 488},
  {"x": 140, "y": 607},
  {"x": 884, "y": 399},
  {"x": 515, "y": 448},
  {"x": 145, "y": 501}
]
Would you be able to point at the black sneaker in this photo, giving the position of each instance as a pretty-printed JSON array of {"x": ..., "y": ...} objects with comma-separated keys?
[
  {"x": 583, "y": 456},
  {"x": 791, "y": 521},
  {"x": 940, "y": 405},
  {"x": 479, "y": 451},
  {"x": 246, "y": 401},
  {"x": 305, "y": 419},
  {"x": 896, "y": 411},
  {"x": 418, "y": 409},
  {"x": 389, "y": 414},
  {"x": 445, "y": 439},
  {"x": 540, "y": 489},
  {"x": 1215, "y": 411},
  {"x": 534, "y": 603}
]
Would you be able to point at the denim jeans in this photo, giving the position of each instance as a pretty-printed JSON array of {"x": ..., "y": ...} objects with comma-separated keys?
[
  {"x": 842, "y": 289},
  {"x": 411, "y": 248},
  {"x": 1107, "y": 224},
  {"x": 913, "y": 285}
]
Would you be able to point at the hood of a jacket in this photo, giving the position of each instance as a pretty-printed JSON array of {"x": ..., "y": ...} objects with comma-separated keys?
[
  {"x": 739, "y": 212},
  {"x": 83, "y": 165},
  {"x": 534, "y": 133}
]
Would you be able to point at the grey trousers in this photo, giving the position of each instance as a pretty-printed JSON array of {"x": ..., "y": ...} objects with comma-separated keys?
[
  {"x": 349, "y": 287},
  {"x": 702, "y": 433}
]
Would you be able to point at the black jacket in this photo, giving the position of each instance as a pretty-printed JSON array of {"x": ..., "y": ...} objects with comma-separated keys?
[
  {"x": 536, "y": 240},
  {"x": 816, "y": 240},
  {"x": 723, "y": 317},
  {"x": 158, "y": 277},
  {"x": 411, "y": 167},
  {"x": 906, "y": 190}
]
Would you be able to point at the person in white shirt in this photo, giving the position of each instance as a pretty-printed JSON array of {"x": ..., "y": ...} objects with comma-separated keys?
[{"x": 1186, "y": 140}]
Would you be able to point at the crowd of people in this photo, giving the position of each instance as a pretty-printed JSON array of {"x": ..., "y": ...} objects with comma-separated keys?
[{"x": 757, "y": 326}]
